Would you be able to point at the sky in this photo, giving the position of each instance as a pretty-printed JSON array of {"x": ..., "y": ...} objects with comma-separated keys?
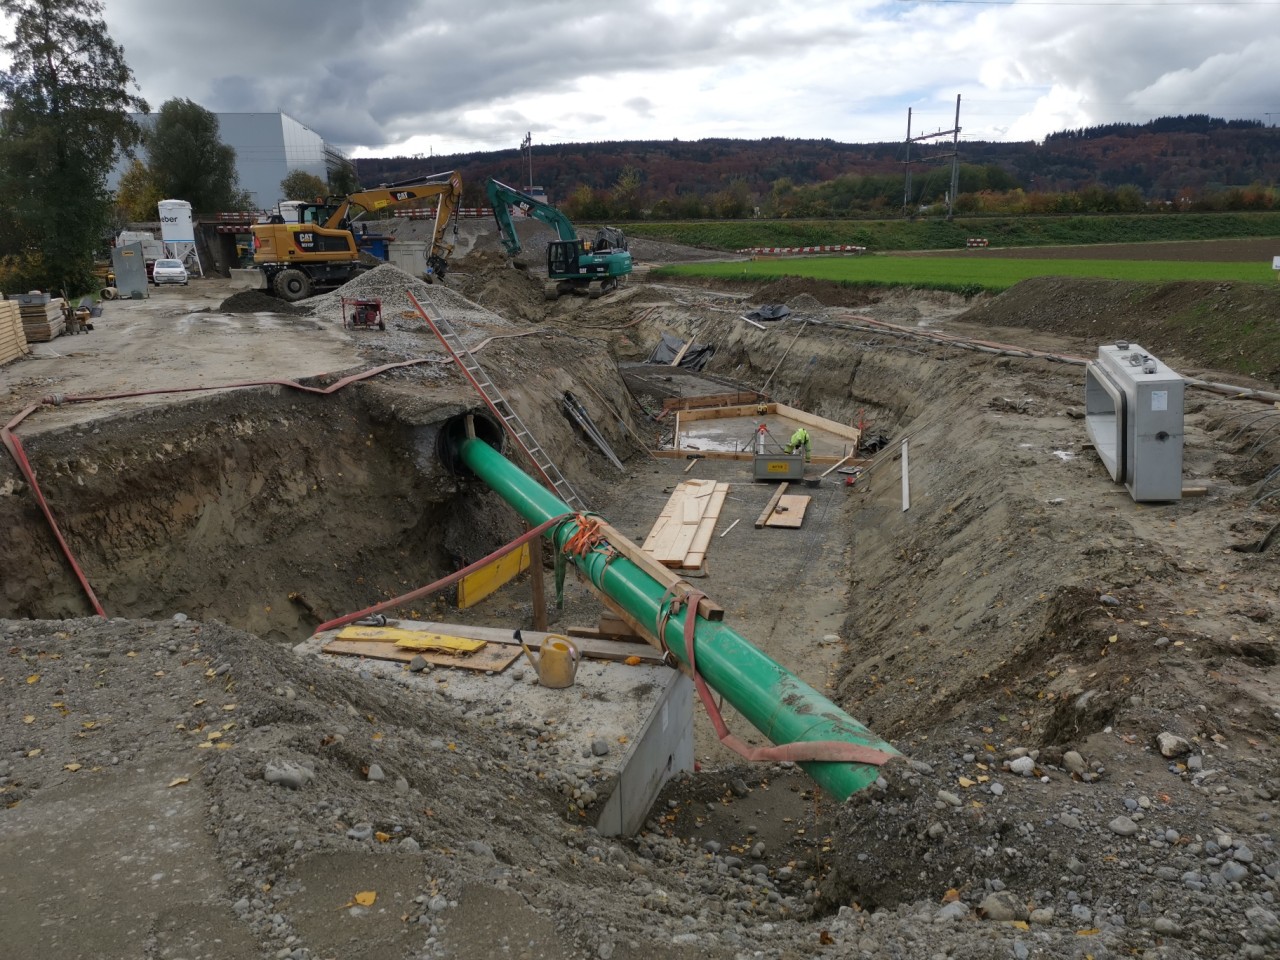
[{"x": 405, "y": 77}]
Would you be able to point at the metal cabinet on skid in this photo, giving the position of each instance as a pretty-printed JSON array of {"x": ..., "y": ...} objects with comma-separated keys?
[{"x": 1133, "y": 413}]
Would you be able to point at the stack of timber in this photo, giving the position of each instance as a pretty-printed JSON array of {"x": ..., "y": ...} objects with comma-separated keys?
[
  {"x": 13, "y": 340},
  {"x": 683, "y": 530},
  {"x": 42, "y": 322}
]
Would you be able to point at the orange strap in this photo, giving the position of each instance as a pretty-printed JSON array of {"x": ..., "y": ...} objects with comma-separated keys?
[{"x": 799, "y": 752}]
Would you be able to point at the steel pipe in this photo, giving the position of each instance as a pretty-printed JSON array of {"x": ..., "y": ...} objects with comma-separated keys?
[{"x": 770, "y": 697}]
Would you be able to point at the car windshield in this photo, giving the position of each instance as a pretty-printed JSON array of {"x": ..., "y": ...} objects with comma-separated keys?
[{"x": 168, "y": 264}]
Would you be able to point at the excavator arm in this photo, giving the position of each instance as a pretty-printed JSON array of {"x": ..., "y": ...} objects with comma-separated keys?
[
  {"x": 445, "y": 188},
  {"x": 502, "y": 198}
]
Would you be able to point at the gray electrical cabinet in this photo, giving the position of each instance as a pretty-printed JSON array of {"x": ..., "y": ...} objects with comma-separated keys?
[
  {"x": 130, "y": 266},
  {"x": 1133, "y": 413}
]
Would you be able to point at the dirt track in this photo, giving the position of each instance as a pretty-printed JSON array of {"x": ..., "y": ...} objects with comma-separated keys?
[{"x": 1023, "y": 607}]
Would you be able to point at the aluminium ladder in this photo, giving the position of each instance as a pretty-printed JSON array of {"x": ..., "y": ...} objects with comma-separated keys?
[{"x": 501, "y": 407}]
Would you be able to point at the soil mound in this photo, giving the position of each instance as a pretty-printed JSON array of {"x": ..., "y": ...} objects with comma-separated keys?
[
  {"x": 1226, "y": 326},
  {"x": 255, "y": 301}
]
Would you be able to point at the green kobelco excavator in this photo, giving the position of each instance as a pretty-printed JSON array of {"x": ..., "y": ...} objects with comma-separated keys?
[{"x": 573, "y": 265}]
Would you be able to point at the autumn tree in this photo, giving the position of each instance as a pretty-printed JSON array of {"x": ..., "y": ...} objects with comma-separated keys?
[
  {"x": 624, "y": 199},
  {"x": 189, "y": 161},
  {"x": 137, "y": 195},
  {"x": 342, "y": 180},
  {"x": 300, "y": 185},
  {"x": 65, "y": 102}
]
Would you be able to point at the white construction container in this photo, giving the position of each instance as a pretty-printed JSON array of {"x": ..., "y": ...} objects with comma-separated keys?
[{"x": 409, "y": 255}]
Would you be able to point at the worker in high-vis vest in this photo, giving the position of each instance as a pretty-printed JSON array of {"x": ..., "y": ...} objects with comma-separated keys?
[{"x": 800, "y": 441}]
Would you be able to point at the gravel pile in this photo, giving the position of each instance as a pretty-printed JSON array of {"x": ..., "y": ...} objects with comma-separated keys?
[{"x": 393, "y": 286}]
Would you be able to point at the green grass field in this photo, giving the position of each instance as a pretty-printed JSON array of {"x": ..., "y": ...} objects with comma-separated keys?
[
  {"x": 898, "y": 234},
  {"x": 965, "y": 274}
]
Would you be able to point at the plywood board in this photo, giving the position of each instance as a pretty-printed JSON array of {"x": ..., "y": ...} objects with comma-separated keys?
[
  {"x": 490, "y": 578},
  {"x": 713, "y": 400},
  {"x": 789, "y": 512},
  {"x": 493, "y": 657}
]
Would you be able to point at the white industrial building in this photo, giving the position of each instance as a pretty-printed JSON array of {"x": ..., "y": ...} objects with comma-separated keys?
[{"x": 268, "y": 147}]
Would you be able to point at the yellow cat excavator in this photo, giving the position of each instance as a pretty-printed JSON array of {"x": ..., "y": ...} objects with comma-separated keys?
[{"x": 296, "y": 260}]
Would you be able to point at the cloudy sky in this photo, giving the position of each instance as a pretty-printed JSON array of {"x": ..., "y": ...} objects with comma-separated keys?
[{"x": 422, "y": 76}]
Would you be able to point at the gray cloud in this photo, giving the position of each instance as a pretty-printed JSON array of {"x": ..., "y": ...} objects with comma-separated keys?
[{"x": 480, "y": 76}]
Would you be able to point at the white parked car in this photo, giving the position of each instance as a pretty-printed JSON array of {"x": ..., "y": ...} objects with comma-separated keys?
[{"x": 169, "y": 271}]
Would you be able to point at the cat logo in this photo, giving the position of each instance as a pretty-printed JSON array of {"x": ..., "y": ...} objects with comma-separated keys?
[
  {"x": 305, "y": 239},
  {"x": 399, "y": 195}
]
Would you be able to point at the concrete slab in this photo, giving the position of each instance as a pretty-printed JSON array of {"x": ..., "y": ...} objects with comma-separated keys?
[{"x": 642, "y": 715}]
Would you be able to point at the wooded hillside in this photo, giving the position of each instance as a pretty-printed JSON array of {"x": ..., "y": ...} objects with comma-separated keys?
[{"x": 1166, "y": 159}]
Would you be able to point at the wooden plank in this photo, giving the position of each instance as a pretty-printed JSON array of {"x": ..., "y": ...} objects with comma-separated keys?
[
  {"x": 789, "y": 512},
  {"x": 906, "y": 480},
  {"x": 640, "y": 650},
  {"x": 681, "y": 352},
  {"x": 504, "y": 637},
  {"x": 833, "y": 466},
  {"x": 412, "y": 639},
  {"x": 697, "y": 554},
  {"x": 710, "y": 400},
  {"x": 694, "y": 497},
  {"x": 741, "y": 456},
  {"x": 707, "y": 609},
  {"x": 821, "y": 423},
  {"x": 722, "y": 413},
  {"x": 773, "y": 502},
  {"x": 490, "y": 578},
  {"x": 493, "y": 657},
  {"x": 730, "y": 527}
]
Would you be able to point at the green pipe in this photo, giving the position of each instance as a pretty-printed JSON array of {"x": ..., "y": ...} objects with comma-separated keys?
[{"x": 770, "y": 697}]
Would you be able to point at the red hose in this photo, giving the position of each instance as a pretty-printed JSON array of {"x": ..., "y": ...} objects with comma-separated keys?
[{"x": 443, "y": 582}]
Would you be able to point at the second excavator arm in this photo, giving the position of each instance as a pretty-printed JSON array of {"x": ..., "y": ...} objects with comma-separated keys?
[{"x": 502, "y": 198}]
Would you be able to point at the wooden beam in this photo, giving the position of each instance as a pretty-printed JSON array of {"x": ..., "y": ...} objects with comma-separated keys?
[
  {"x": 721, "y": 413},
  {"x": 833, "y": 466},
  {"x": 539, "y": 587},
  {"x": 773, "y": 502},
  {"x": 742, "y": 455},
  {"x": 682, "y": 351},
  {"x": 822, "y": 423},
  {"x": 710, "y": 400}
]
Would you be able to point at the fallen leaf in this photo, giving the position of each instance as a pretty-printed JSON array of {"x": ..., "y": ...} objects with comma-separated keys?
[
  {"x": 198, "y": 703},
  {"x": 73, "y": 767},
  {"x": 951, "y": 896},
  {"x": 229, "y": 706},
  {"x": 1113, "y": 638},
  {"x": 29, "y": 719},
  {"x": 366, "y": 898},
  {"x": 382, "y": 837},
  {"x": 34, "y": 678},
  {"x": 635, "y": 662},
  {"x": 966, "y": 782},
  {"x": 222, "y": 745},
  {"x": 89, "y": 724},
  {"x": 1087, "y": 933},
  {"x": 825, "y": 938},
  {"x": 179, "y": 781},
  {"x": 1018, "y": 924},
  {"x": 34, "y": 753},
  {"x": 214, "y": 735}
]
